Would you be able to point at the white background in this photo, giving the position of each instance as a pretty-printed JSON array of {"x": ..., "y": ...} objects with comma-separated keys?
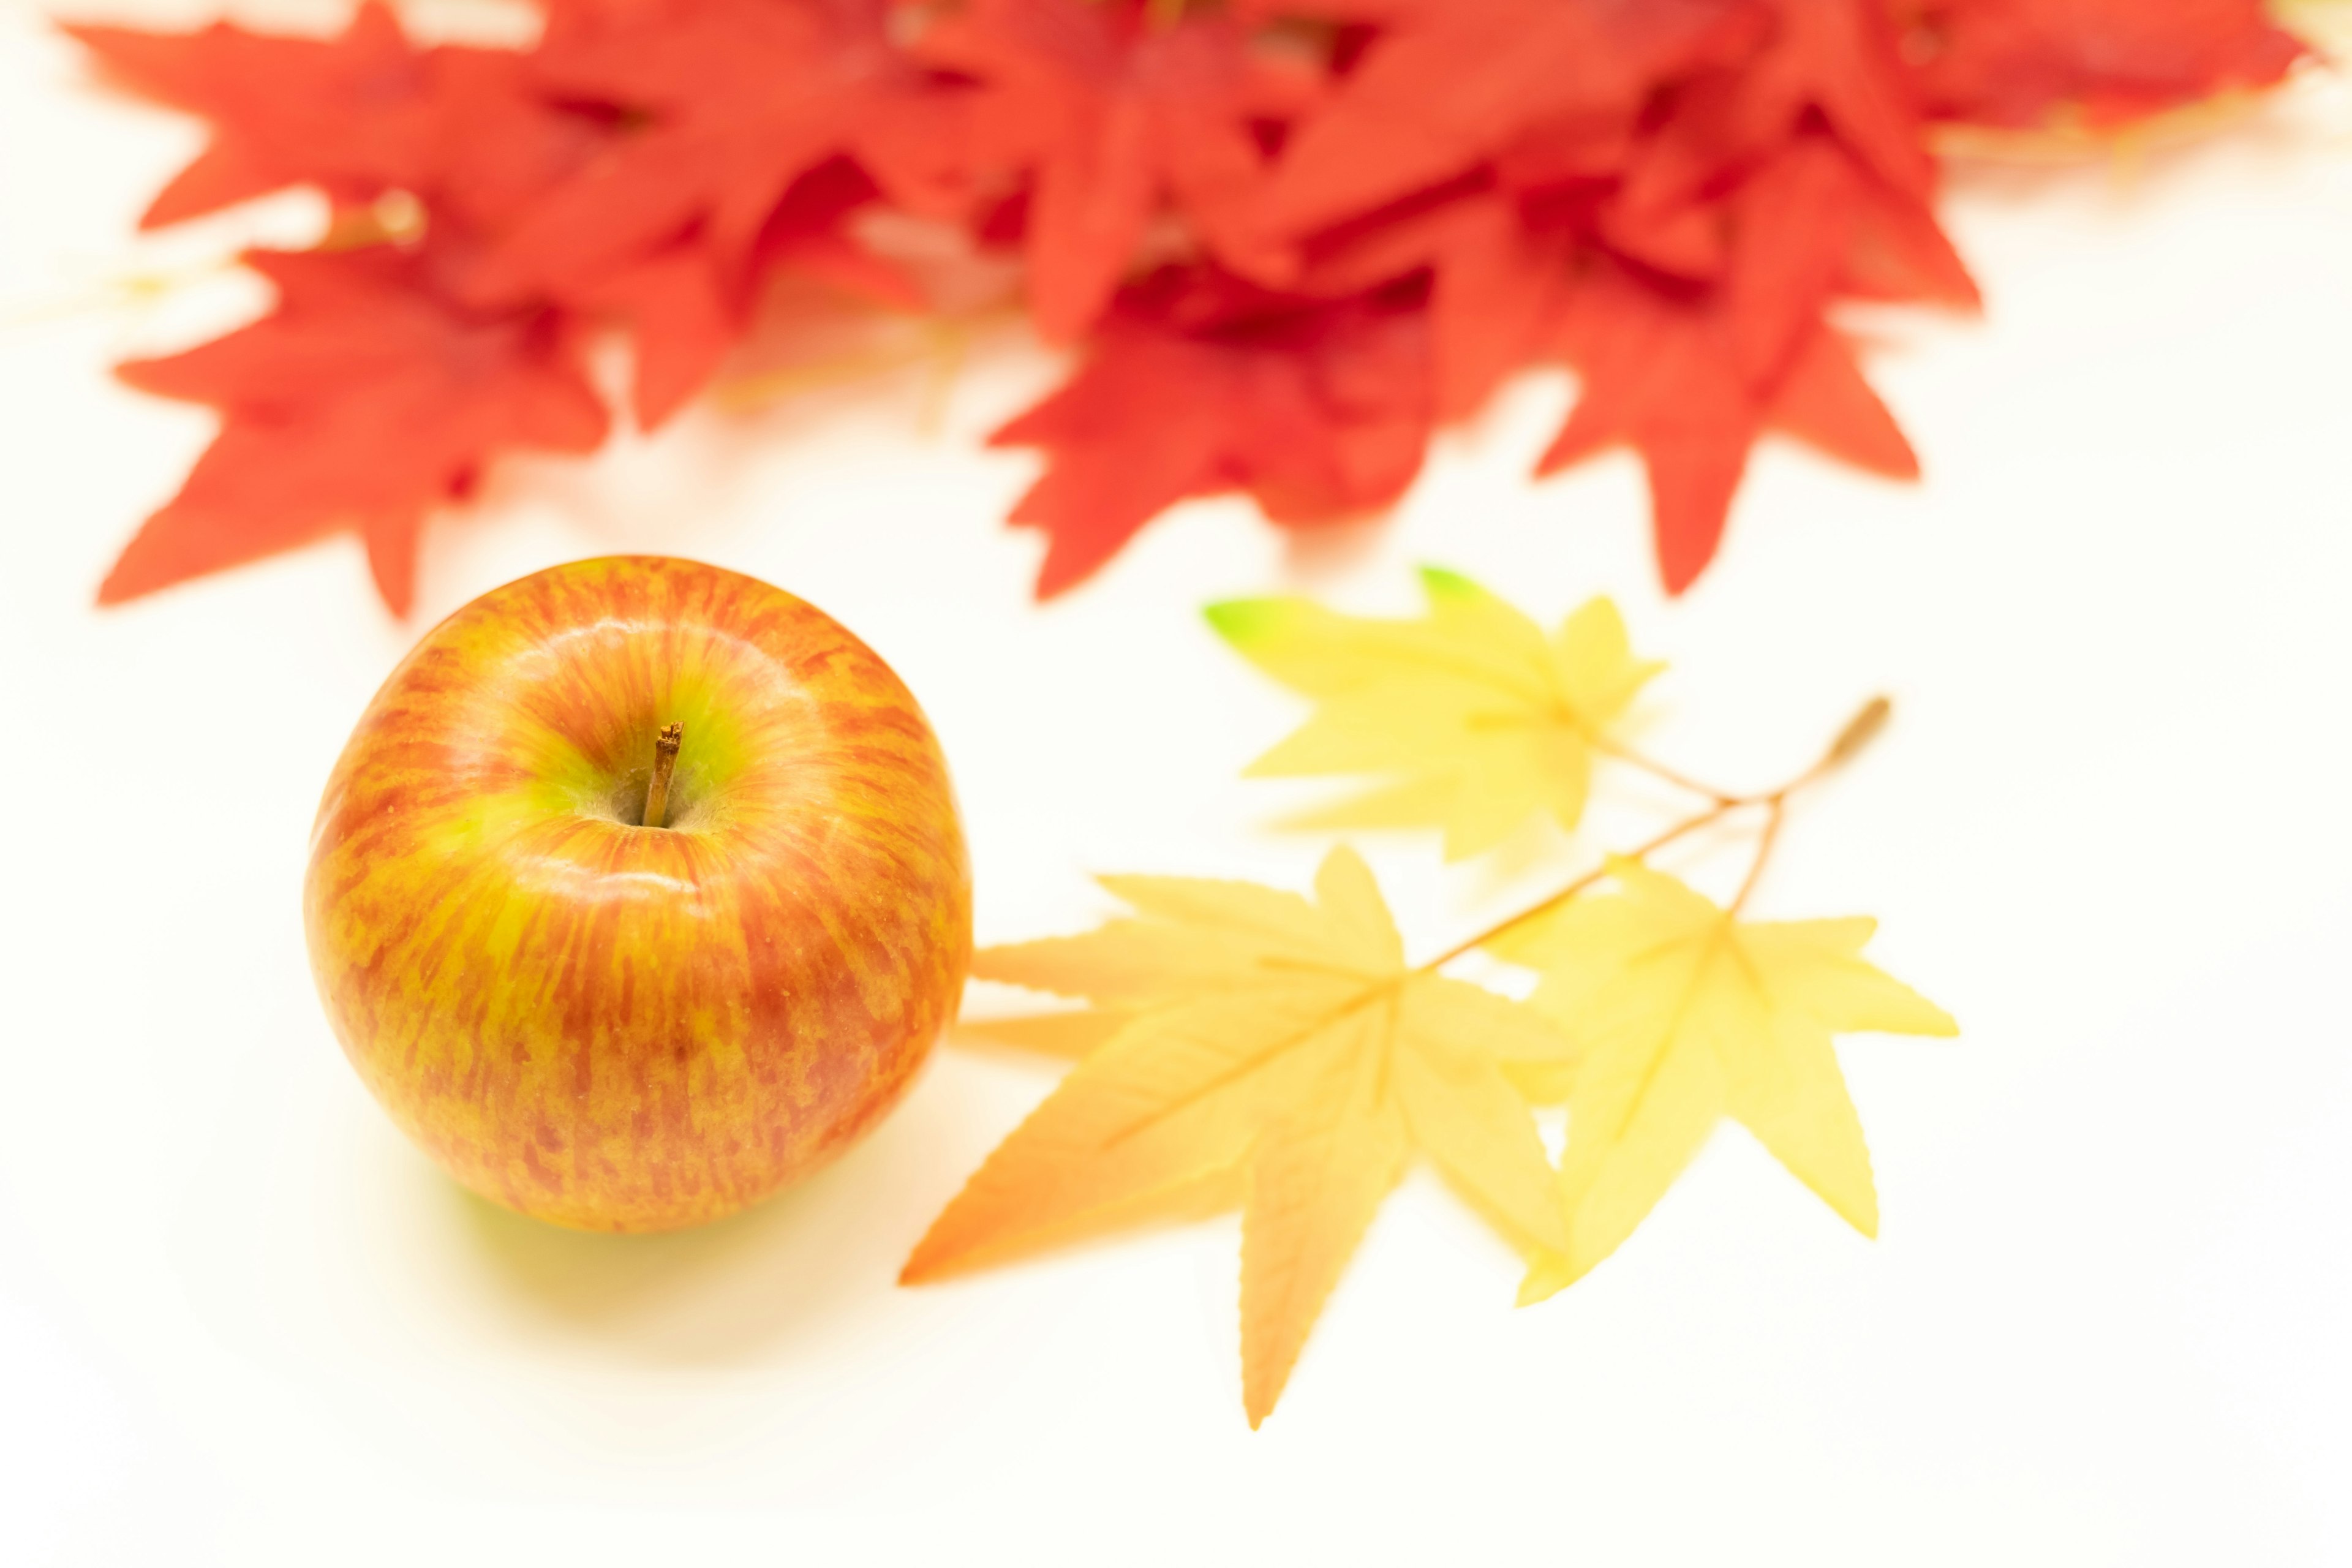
[{"x": 242, "y": 1322}]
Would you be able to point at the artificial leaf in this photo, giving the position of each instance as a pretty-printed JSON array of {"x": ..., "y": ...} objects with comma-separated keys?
[
  {"x": 1687, "y": 1015},
  {"x": 1320, "y": 417},
  {"x": 1497, "y": 285},
  {"x": 1795, "y": 218},
  {"x": 2028, "y": 64},
  {"x": 739, "y": 128},
  {"x": 1823, "y": 401},
  {"x": 1121, "y": 116},
  {"x": 685, "y": 314},
  {"x": 358, "y": 115},
  {"x": 1450, "y": 83},
  {"x": 1497, "y": 291},
  {"x": 1785, "y": 173},
  {"x": 1479, "y": 720},
  {"x": 725, "y": 104},
  {"x": 350, "y": 113},
  {"x": 362, "y": 401},
  {"x": 1272, "y": 1049},
  {"x": 682, "y": 318},
  {"x": 1289, "y": 236},
  {"x": 1489, "y": 282},
  {"x": 498, "y": 141},
  {"x": 1835, "y": 59},
  {"x": 1659, "y": 373},
  {"x": 1664, "y": 376}
]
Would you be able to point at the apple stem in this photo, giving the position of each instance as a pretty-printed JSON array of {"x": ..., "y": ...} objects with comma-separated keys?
[{"x": 665, "y": 760}]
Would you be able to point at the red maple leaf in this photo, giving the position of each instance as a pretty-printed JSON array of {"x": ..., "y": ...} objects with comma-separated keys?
[
  {"x": 1837, "y": 60},
  {"x": 1826, "y": 75},
  {"x": 1690, "y": 373},
  {"x": 1450, "y": 84},
  {"x": 356, "y": 115},
  {"x": 687, "y": 312},
  {"x": 1774, "y": 183},
  {"x": 722, "y": 105},
  {"x": 1119, "y": 117},
  {"x": 2027, "y": 63},
  {"x": 350, "y": 114},
  {"x": 1670, "y": 194},
  {"x": 1499, "y": 283},
  {"x": 733, "y": 122},
  {"x": 1495, "y": 272},
  {"x": 1663, "y": 373},
  {"x": 1778, "y": 174},
  {"x": 1320, "y": 412},
  {"x": 1792, "y": 225},
  {"x": 363, "y": 400}
]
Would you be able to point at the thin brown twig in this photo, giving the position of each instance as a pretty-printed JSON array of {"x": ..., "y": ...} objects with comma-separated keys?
[
  {"x": 1856, "y": 734},
  {"x": 1689, "y": 825},
  {"x": 1659, "y": 769},
  {"x": 1859, "y": 731}
]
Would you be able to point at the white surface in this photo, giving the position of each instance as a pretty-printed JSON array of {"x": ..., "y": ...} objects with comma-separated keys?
[{"x": 241, "y": 1321}]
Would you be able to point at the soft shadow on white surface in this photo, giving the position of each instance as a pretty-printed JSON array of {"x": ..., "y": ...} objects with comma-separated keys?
[{"x": 762, "y": 1286}]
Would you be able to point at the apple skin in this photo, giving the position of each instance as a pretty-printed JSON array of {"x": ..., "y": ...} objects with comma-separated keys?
[{"x": 621, "y": 1027}]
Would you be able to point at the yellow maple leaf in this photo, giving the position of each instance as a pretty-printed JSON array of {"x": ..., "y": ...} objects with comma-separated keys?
[
  {"x": 1269, "y": 1050},
  {"x": 1480, "y": 720},
  {"x": 1685, "y": 1015}
]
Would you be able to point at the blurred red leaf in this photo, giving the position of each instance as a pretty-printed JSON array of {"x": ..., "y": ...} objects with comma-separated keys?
[
  {"x": 1451, "y": 83},
  {"x": 1664, "y": 376},
  {"x": 2029, "y": 64},
  {"x": 1288, "y": 235},
  {"x": 283, "y": 109},
  {"x": 1321, "y": 416},
  {"x": 366, "y": 112},
  {"x": 720, "y": 107},
  {"x": 1118, "y": 117},
  {"x": 360, "y": 402}
]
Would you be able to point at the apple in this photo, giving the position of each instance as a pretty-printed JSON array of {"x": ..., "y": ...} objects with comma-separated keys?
[{"x": 623, "y": 1021}]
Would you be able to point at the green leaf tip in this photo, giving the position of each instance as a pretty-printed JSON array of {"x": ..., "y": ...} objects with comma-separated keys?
[
  {"x": 1442, "y": 583},
  {"x": 1240, "y": 621}
]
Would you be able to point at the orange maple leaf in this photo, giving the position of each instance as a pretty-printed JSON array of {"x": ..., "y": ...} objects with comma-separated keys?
[{"x": 1272, "y": 1051}]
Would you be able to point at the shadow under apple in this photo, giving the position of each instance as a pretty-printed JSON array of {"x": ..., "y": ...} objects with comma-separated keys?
[{"x": 816, "y": 1263}]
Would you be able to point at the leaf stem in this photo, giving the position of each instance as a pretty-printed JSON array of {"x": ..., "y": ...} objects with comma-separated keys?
[
  {"x": 1859, "y": 731},
  {"x": 1851, "y": 740},
  {"x": 1544, "y": 907},
  {"x": 1659, "y": 769}
]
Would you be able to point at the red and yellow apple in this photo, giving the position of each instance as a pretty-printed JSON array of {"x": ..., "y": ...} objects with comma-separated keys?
[{"x": 617, "y": 1024}]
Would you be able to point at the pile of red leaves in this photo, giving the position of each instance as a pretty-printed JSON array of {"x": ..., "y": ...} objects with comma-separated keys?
[{"x": 1289, "y": 236}]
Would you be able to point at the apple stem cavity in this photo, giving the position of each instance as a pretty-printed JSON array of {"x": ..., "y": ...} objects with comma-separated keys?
[{"x": 665, "y": 760}]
